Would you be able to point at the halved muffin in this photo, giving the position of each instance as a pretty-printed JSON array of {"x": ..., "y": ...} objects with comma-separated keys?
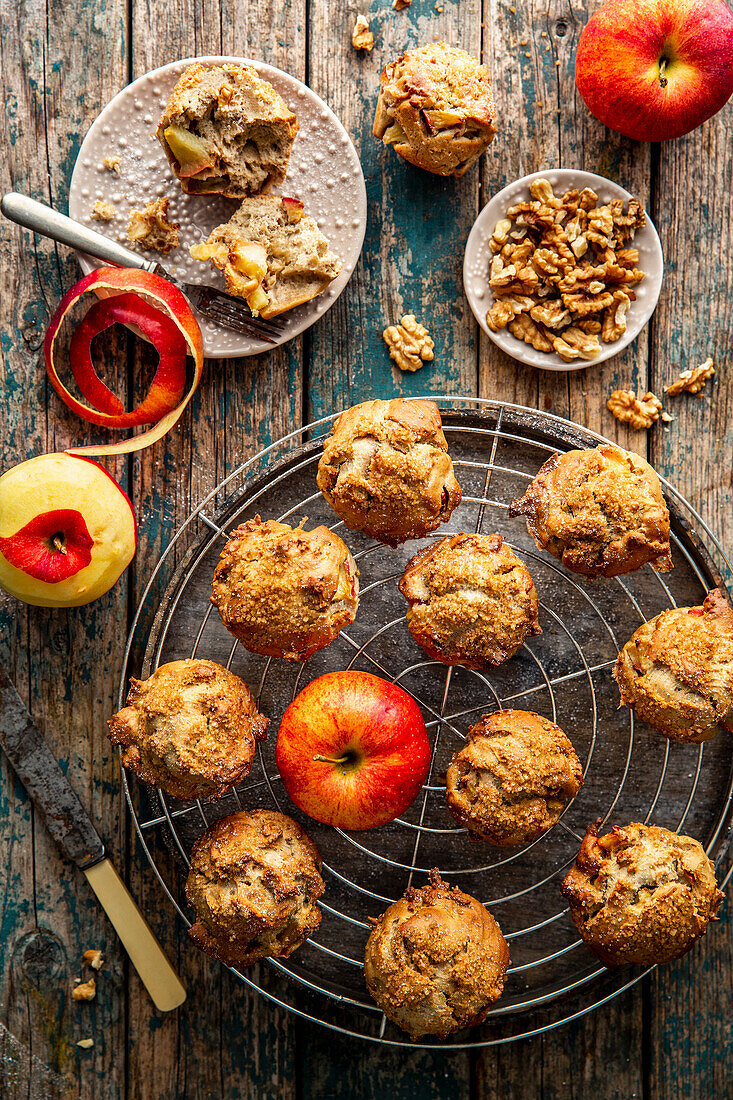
[
  {"x": 226, "y": 131},
  {"x": 271, "y": 254},
  {"x": 435, "y": 109}
]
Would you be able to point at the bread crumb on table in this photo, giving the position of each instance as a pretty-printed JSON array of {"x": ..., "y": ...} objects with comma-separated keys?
[
  {"x": 150, "y": 229},
  {"x": 112, "y": 164},
  {"x": 85, "y": 1044},
  {"x": 94, "y": 958},
  {"x": 85, "y": 991},
  {"x": 361, "y": 37}
]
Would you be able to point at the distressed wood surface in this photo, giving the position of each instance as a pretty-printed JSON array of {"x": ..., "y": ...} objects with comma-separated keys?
[{"x": 669, "y": 1037}]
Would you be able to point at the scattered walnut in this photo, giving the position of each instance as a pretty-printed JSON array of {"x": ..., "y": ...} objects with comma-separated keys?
[
  {"x": 112, "y": 164},
  {"x": 400, "y": 4},
  {"x": 666, "y": 417},
  {"x": 85, "y": 991},
  {"x": 639, "y": 412},
  {"x": 409, "y": 344},
  {"x": 85, "y": 1044},
  {"x": 693, "y": 380},
  {"x": 103, "y": 211},
  {"x": 151, "y": 229},
  {"x": 570, "y": 257},
  {"x": 94, "y": 958},
  {"x": 361, "y": 37}
]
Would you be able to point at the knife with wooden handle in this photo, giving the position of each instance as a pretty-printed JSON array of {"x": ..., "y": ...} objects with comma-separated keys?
[{"x": 69, "y": 825}]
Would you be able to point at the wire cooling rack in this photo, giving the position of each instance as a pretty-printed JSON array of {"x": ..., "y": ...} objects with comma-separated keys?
[{"x": 631, "y": 774}]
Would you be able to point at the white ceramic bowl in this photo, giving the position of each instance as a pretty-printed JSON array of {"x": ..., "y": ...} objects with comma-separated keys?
[
  {"x": 324, "y": 172},
  {"x": 478, "y": 258}
]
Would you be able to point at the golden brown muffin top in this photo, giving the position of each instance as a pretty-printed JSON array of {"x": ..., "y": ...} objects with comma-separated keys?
[
  {"x": 641, "y": 894},
  {"x": 441, "y": 77},
  {"x": 511, "y": 780},
  {"x": 254, "y": 880},
  {"x": 435, "y": 960},
  {"x": 283, "y": 591},
  {"x": 386, "y": 471},
  {"x": 190, "y": 728},
  {"x": 600, "y": 511},
  {"x": 677, "y": 670},
  {"x": 472, "y": 601}
]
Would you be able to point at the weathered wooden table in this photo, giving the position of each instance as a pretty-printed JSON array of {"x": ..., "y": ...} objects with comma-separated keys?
[{"x": 62, "y": 61}]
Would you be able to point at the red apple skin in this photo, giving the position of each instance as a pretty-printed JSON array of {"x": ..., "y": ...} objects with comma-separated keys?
[
  {"x": 353, "y": 713},
  {"x": 617, "y": 65}
]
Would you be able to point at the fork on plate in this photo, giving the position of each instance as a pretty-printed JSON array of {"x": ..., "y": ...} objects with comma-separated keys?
[{"x": 215, "y": 305}]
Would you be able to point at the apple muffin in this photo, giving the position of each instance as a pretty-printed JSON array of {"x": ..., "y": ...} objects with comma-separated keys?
[
  {"x": 226, "y": 131},
  {"x": 435, "y": 109},
  {"x": 513, "y": 778},
  {"x": 436, "y": 960},
  {"x": 271, "y": 254},
  {"x": 386, "y": 470},
  {"x": 641, "y": 894},
  {"x": 472, "y": 601},
  {"x": 254, "y": 881},
  {"x": 190, "y": 728},
  {"x": 600, "y": 511},
  {"x": 284, "y": 591},
  {"x": 676, "y": 671}
]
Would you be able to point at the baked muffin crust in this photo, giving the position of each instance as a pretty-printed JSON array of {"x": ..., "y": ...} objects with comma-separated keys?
[
  {"x": 472, "y": 602},
  {"x": 254, "y": 881},
  {"x": 283, "y": 591},
  {"x": 436, "y": 960},
  {"x": 600, "y": 511},
  {"x": 226, "y": 131},
  {"x": 676, "y": 671},
  {"x": 386, "y": 470},
  {"x": 436, "y": 109},
  {"x": 511, "y": 780},
  {"x": 190, "y": 728},
  {"x": 641, "y": 894}
]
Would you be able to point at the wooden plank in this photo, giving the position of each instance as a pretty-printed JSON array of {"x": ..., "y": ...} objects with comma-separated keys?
[
  {"x": 417, "y": 224},
  {"x": 206, "y": 1048},
  {"x": 58, "y": 71},
  {"x": 692, "y": 1001}
]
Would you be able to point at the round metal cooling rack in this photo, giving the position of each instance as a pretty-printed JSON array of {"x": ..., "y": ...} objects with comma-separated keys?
[{"x": 631, "y": 774}]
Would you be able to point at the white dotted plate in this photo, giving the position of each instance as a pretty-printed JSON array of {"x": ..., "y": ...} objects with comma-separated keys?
[
  {"x": 478, "y": 258},
  {"x": 324, "y": 173}
]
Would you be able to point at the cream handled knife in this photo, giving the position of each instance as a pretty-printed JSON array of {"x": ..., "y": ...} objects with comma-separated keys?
[{"x": 69, "y": 825}]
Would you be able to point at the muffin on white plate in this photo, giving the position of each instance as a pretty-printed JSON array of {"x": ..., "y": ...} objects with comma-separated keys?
[
  {"x": 272, "y": 254},
  {"x": 225, "y": 131}
]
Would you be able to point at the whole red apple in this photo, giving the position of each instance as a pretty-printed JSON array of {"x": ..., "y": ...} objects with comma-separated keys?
[
  {"x": 656, "y": 69},
  {"x": 67, "y": 530},
  {"x": 352, "y": 750}
]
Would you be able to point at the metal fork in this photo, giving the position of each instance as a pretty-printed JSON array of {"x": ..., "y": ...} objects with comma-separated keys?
[{"x": 213, "y": 304}]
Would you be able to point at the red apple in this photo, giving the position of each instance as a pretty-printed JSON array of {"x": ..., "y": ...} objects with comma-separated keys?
[
  {"x": 67, "y": 531},
  {"x": 352, "y": 750},
  {"x": 656, "y": 69}
]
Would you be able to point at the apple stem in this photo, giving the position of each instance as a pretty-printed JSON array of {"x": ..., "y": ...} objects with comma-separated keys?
[
  {"x": 58, "y": 544},
  {"x": 332, "y": 760},
  {"x": 662, "y": 70}
]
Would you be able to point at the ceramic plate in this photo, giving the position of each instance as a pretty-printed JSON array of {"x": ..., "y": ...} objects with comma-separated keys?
[
  {"x": 324, "y": 173},
  {"x": 478, "y": 257}
]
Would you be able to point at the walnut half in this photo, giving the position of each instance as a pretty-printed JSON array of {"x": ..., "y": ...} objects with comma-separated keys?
[
  {"x": 409, "y": 344},
  {"x": 692, "y": 381},
  {"x": 639, "y": 412}
]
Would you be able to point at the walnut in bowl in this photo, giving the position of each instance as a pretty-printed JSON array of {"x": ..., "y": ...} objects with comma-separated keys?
[
  {"x": 386, "y": 470},
  {"x": 436, "y": 960},
  {"x": 676, "y": 671},
  {"x": 472, "y": 601},
  {"x": 283, "y": 591},
  {"x": 435, "y": 109},
  {"x": 190, "y": 728},
  {"x": 512, "y": 779},
  {"x": 641, "y": 894},
  {"x": 600, "y": 511},
  {"x": 254, "y": 882}
]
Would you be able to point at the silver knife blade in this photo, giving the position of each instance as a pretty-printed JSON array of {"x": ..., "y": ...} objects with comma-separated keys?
[{"x": 37, "y": 768}]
